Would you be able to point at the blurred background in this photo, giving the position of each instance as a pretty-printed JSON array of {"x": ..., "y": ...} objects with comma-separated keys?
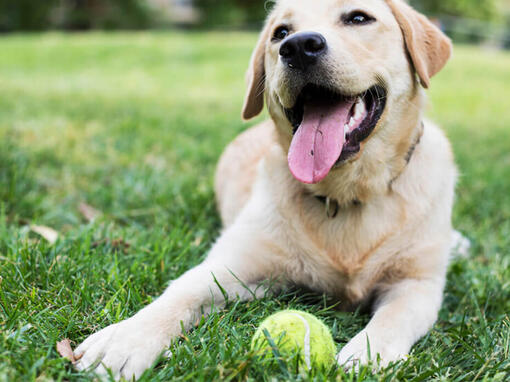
[
  {"x": 113, "y": 114},
  {"x": 478, "y": 21}
]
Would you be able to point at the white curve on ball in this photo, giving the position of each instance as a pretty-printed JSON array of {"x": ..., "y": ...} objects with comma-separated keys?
[{"x": 306, "y": 340}]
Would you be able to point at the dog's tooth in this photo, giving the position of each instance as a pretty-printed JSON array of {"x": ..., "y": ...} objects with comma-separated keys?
[
  {"x": 352, "y": 121},
  {"x": 359, "y": 109},
  {"x": 356, "y": 109}
]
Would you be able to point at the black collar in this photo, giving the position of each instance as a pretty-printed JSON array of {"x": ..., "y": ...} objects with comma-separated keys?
[
  {"x": 412, "y": 149},
  {"x": 331, "y": 205}
]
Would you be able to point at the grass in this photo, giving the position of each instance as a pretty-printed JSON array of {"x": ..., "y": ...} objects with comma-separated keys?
[{"x": 133, "y": 125}]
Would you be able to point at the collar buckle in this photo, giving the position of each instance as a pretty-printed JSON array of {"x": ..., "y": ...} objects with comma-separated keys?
[{"x": 331, "y": 208}]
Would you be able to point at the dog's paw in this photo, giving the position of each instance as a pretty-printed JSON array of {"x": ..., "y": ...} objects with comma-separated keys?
[
  {"x": 126, "y": 349},
  {"x": 363, "y": 349}
]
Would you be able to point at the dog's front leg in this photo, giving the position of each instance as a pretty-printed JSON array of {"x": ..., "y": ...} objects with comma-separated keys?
[
  {"x": 238, "y": 263},
  {"x": 404, "y": 313}
]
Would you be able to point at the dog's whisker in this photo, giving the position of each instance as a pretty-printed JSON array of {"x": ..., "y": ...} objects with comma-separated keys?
[{"x": 261, "y": 86}]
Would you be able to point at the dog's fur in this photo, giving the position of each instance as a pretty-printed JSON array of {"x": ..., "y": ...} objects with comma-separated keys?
[{"x": 390, "y": 238}]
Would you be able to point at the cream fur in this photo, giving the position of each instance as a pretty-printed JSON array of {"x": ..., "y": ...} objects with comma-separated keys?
[{"x": 393, "y": 246}]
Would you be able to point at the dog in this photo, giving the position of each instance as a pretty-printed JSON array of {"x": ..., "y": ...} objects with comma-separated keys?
[{"x": 346, "y": 190}]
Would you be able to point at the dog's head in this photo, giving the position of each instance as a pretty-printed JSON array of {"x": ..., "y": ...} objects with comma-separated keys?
[{"x": 333, "y": 70}]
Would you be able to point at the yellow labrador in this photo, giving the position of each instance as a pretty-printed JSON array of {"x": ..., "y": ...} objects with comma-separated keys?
[{"x": 347, "y": 189}]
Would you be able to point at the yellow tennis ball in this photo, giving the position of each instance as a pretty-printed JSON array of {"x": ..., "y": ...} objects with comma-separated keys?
[{"x": 292, "y": 332}]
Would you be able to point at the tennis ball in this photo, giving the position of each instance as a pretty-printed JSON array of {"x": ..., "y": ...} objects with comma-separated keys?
[{"x": 292, "y": 332}]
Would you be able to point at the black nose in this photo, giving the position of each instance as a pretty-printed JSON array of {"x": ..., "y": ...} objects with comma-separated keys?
[{"x": 302, "y": 50}]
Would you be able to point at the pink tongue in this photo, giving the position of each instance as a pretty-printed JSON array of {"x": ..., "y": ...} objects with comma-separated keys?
[{"x": 318, "y": 142}]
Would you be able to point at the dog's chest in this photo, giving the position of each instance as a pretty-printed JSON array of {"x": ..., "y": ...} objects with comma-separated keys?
[{"x": 344, "y": 254}]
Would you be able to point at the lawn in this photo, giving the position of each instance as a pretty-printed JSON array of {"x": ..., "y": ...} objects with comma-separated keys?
[{"x": 133, "y": 124}]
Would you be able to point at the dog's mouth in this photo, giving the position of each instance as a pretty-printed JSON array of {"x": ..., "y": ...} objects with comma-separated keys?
[{"x": 329, "y": 128}]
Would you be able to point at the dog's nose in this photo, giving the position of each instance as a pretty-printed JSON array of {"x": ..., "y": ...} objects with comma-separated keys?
[{"x": 302, "y": 50}]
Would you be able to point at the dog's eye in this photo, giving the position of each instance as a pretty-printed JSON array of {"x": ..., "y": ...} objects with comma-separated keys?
[
  {"x": 280, "y": 33},
  {"x": 357, "y": 18}
]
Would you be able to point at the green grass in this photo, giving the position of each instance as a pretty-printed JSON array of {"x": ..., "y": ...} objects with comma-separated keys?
[{"x": 133, "y": 124}]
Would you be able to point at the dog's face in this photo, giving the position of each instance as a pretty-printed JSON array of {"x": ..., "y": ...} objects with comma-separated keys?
[{"x": 335, "y": 71}]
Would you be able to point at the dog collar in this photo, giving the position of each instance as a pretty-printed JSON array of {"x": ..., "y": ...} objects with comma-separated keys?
[
  {"x": 332, "y": 206},
  {"x": 412, "y": 149},
  {"x": 410, "y": 152}
]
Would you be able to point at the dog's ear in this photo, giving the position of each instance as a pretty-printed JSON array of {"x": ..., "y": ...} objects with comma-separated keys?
[
  {"x": 428, "y": 47},
  {"x": 255, "y": 77}
]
